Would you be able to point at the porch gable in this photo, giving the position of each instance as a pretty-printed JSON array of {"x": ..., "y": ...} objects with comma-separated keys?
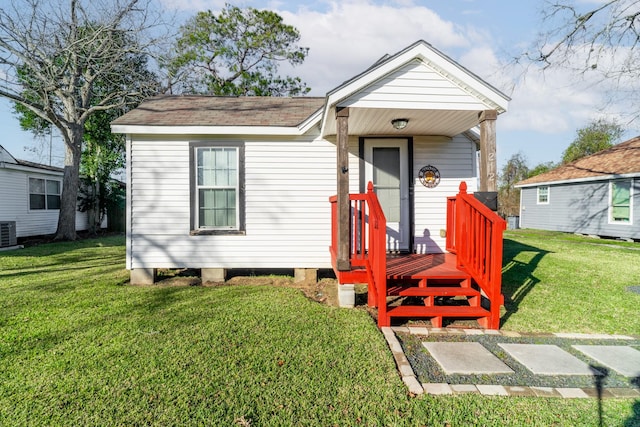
[{"x": 417, "y": 79}]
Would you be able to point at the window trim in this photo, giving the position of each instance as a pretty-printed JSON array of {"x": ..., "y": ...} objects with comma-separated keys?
[
  {"x": 193, "y": 203},
  {"x": 46, "y": 194},
  {"x": 610, "y": 202},
  {"x": 538, "y": 194}
]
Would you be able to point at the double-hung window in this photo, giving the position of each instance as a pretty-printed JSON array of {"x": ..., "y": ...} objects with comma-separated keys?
[
  {"x": 44, "y": 194},
  {"x": 218, "y": 197},
  {"x": 543, "y": 194},
  {"x": 620, "y": 201}
]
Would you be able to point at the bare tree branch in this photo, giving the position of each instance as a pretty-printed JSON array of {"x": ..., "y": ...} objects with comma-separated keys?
[
  {"x": 54, "y": 55},
  {"x": 598, "y": 42}
]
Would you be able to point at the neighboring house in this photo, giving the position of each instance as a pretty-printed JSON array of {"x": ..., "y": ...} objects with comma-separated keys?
[
  {"x": 219, "y": 183},
  {"x": 30, "y": 196},
  {"x": 595, "y": 195}
]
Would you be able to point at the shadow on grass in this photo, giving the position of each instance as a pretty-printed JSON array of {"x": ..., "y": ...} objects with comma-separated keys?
[
  {"x": 519, "y": 263},
  {"x": 59, "y": 276},
  {"x": 52, "y": 248},
  {"x": 634, "y": 420}
]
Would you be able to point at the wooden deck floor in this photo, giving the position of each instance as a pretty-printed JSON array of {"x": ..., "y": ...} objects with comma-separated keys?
[{"x": 423, "y": 266}]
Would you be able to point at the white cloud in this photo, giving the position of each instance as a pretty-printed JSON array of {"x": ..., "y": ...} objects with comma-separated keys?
[
  {"x": 350, "y": 36},
  {"x": 346, "y": 37}
]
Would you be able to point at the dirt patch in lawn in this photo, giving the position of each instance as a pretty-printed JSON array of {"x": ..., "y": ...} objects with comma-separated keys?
[{"x": 324, "y": 290}]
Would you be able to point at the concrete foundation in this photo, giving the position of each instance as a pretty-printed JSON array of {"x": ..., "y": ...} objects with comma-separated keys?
[
  {"x": 346, "y": 295},
  {"x": 305, "y": 275},
  {"x": 213, "y": 275},
  {"x": 143, "y": 276}
]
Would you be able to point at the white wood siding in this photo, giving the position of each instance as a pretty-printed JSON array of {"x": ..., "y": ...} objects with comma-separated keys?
[
  {"x": 414, "y": 86},
  {"x": 14, "y": 205},
  {"x": 287, "y": 188},
  {"x": 455, "y": 160}
]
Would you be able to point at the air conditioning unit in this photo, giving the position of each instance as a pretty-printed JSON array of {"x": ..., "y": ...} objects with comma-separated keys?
[{"x": 8, "y": 234}]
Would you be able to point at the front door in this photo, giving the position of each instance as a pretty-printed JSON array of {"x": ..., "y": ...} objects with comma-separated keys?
[{"x": 386, "y": 165}]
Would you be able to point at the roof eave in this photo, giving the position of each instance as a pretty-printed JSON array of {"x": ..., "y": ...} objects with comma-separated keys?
[
  {"x": 585, "y": 179},
  {"x": 212, "y": 130},
  {"x": 33, "y": 169}
]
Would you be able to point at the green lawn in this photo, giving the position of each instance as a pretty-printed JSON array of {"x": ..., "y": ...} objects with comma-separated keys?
[
  {"x": 557, "y": 282},
  {"x": 78, "y": 346}
]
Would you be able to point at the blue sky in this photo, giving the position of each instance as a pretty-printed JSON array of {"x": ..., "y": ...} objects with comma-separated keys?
[{"x": 347, "y": 36}]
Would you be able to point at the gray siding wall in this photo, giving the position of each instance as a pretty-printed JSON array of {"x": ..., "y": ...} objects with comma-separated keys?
[{"x": 578, "y": 208}]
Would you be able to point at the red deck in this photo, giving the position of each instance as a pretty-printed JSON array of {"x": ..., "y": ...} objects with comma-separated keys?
[
  {"x": 434, "y": 286},
  {"x": 419, "y": 266}
]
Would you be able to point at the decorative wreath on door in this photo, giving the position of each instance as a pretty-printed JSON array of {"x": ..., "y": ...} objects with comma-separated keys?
[{"x": 429, "y": 176}]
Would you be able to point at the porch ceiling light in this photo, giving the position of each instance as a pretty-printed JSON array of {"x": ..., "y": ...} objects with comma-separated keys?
[{"x": 399, "y": 123}]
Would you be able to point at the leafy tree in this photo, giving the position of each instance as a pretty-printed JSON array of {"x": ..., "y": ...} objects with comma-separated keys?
[
  {"x": 103, "y": 152},
  {"x": 236, "y": 52},
  {"x": 513, "y": 171},
  {"x": 541, "y": 168},
  {"x": 596, "y": 136},
  {"x": 54, "y": 56}
]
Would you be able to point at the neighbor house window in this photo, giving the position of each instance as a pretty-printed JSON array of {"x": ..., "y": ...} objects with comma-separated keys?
[
  {"x": 217, "y": 197},
  {"x": 620, "y": 201},
  {"x": 44, "y": 194},
  {"x": 543, "y": 195}
]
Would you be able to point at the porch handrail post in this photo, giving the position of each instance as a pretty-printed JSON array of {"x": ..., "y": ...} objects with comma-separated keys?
[
  {"x": 343, "y": 262},
  {"x": 488, "y": 162}
]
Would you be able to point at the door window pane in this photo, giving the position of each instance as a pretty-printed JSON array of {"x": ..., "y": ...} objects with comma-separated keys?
[{"x": 386, "y": 179}]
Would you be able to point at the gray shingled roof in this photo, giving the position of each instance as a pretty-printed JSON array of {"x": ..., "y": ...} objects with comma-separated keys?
[
  {"x": 194, "y": 110},
  {"x": 39, "y": 166},
  {"x": 623, "y": 158}
]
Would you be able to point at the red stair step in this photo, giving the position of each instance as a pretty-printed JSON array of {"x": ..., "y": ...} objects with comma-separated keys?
[
  {"x": 436, "y": 311},
  {"x": 436, "y": 291}
]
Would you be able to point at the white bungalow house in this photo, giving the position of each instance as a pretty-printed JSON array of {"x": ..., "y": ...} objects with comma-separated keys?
[
  {"x": 30, "y": 199},
  {"x": 218, "y": 183}
]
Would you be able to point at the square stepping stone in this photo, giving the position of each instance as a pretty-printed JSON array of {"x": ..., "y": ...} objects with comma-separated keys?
[
  {"x": 464, "y": 388},
  {"x": 492, "y": 390},
  {"x": 622, "y": 359},
  {"x": 466, "y": 358},
  {"x": 572, "y": 393},
  {"x": 546, "y": 359},
  {"x": 545, "y": 392},
  {"x": 437, "y": 388},
  {"x": 520, "y": 391}
]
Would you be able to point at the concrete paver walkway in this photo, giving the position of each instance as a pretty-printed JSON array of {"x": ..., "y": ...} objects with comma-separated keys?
[
  {"x": 622, "y": 359},
  {"x": 545, "y": 359},
  {"x": 472, "y": 358},
  {"x": 466, "y": 358}
]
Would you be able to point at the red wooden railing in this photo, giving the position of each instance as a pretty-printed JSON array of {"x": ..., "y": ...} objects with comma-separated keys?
[
  {"x": 367, "y": 241},
  {"x": 474, "y": 234}
]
